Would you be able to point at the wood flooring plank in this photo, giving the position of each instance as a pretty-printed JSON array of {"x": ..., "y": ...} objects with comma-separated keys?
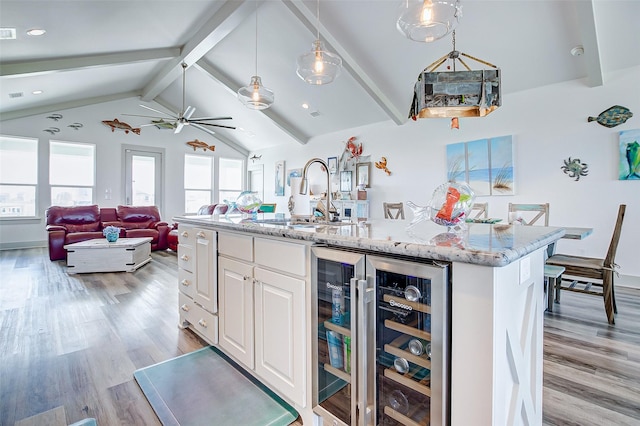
[{"x": 54, "y": 417}]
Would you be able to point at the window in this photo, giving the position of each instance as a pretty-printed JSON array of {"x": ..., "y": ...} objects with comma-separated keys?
[
  {"x": 72, "y": 173},
  {"x": 198, "y": 181},
  {"x": 230, "y": 179},
  {"x": 18, "y": 176}
]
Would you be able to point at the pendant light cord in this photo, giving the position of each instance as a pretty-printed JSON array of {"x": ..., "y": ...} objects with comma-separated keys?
[
  {"x": 256, "y": 37},
  {"x": 184, "y": 89},
  {"x": 318, "y": 18}
]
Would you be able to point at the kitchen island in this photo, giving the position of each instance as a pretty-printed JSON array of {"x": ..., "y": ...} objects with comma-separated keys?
[{"x": 497, "y": 304}]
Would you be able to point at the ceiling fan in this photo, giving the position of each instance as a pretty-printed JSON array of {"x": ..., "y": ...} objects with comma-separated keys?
[{"x": 184, "y": 117}]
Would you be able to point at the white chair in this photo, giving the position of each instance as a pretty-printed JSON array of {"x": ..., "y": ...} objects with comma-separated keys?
[
  {"x": 393, "y": 210},
  {"x": 479, "y": 210},
  {"x": 528, "y": 214}
]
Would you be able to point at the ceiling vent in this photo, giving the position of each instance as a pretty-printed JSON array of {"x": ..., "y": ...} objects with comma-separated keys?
[
  {"x": 7, "y": 33},
  {"x": 16, "y": 95}
]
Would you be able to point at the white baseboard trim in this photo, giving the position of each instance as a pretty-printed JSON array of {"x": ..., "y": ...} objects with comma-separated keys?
[
  {"x": 630, "y": 281},
  {"x": 23, "y": 245}
]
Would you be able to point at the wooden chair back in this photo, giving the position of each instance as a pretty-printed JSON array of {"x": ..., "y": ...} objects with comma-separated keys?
[
  {"x": 609, "y": 260},
  {"x": 479, "y": 210},
  {"x": 533, "y": 213},
  {"x": 393, "y": 210}
]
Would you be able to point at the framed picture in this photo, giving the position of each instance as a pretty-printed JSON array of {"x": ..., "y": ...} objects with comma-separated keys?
[
  {"x": 345, "y": 181},
  {"x": 332, "y": 162},
  {"x": 280, "y": 179},
  {"x": 362, "y": 174}
]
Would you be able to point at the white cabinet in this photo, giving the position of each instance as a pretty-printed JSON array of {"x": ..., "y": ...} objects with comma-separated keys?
[
  {"x": 236, "y": 309},
  {"x": 262, "y": 293},
  {"x": 197, "y": 281}
]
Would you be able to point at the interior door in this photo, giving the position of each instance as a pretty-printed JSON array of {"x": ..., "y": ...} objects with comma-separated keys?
[{"x": 143, "y": 172}]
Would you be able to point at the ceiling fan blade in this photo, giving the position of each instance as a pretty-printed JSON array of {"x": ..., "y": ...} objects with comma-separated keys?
[
  {"x": 204, "y": 129},
  {"x": 211, "y": 124},
  {"x": 168, "y": 114},
  {"x": 211, "y": 118},
  {"x": 150, "y": 116},
  {"x": 189, "y": 112}
]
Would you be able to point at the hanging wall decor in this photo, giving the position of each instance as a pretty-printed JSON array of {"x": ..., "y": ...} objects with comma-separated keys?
[
  {"x": 120, "y": 125},
  {"x": 613, "y": 116},
  {"x": 52, "y": 130},
  {"x": 280, "y": 179},
  {"x": 486, "y": 165},
  {"x": 195, "y": 144},
  {"x": 55, "y": 117},
  {"x": 629, "y": 145},
  {"x": 382, "y": 165},
  {"x": 574, "y": 168}
]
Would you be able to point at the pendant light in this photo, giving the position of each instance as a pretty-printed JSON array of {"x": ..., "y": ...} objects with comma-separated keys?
[
  {"x": 255, "y": 95},
  {"x": 319, "y": 66},
  {"x": 428, "y": 20}
]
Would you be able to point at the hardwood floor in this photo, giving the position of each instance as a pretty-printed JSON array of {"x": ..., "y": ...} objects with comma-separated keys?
[{"x": 69, "y": 345}]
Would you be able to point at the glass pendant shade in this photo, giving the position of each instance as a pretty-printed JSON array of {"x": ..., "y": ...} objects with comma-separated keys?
[
  {"x": 428, "y": 20},
  {"x": 319, "y": 66},
  {"x": 255, "y": 95}
]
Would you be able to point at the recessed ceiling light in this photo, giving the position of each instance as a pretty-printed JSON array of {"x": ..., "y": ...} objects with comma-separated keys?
[
  {"x": 36, "y": 32},
  {"x": 37, "y": 92},
  {"x": 577, "y": 51},
  {"x": 305, "y": 106}
]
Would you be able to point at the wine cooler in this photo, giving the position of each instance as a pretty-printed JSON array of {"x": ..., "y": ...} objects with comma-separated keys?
[{"x": 381, "y": 343}]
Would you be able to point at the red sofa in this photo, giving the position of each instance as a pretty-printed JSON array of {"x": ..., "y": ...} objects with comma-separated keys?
[{"x": 66, "y": 225}]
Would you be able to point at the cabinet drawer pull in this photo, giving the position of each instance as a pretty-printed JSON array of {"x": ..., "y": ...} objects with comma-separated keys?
[
  {"x": 246, "y": 278},
  {"x": 202, "y": 323},
  {"x": 185, "y": 234},
  {"x": 201, "y": 234},
  {"x": 185, "y": 307},
  {"x": 184, "y": 257},
  {"x": 185, "y": 283}
]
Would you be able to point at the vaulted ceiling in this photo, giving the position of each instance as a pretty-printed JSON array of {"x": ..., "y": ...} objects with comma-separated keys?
[{"x": 96, "y": 51}]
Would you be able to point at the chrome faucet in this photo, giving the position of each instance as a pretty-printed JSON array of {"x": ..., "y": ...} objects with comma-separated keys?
[{"x": 331, "y": 210}]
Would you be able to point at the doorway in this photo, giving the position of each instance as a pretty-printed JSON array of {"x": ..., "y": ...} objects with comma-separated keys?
[{"x": 143, "y": 176}]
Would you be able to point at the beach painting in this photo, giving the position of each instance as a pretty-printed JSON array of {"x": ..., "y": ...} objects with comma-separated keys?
[
  {"x": 485, "y": 164},
  {"x": 629, "y": 164}
]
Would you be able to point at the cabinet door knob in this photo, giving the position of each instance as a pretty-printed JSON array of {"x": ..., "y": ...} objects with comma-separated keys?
[
  {"x": 246, "y": 278},
  {"x": 184, "y": 257},
  {"x": 185, "y": 307},
  {"x": 185, "y": 234},
  {"x": 185, "y": 283},
  {"x": 200, "y": 234},
  {"x": 202, "y": 323}
]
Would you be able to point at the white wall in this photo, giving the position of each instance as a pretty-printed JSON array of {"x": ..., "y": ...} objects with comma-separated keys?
[
  {"x": 109, "y": 168},
  {"x": 548, "y": 125}
]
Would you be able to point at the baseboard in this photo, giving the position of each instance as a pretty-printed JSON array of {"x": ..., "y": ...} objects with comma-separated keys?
[
  {"x": 630, "y": 281},
  {"x": 23, "y": 245}
]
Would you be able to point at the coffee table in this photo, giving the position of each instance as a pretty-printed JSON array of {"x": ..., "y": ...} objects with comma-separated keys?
[{"x": 99, "y": 255}]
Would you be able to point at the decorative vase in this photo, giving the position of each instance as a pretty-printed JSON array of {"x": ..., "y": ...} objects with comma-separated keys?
[{"x": 112, "y": 237}]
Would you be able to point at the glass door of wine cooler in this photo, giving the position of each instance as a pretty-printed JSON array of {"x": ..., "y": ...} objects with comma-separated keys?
[
  {"x": 335, "y": 278},
  {"x": 412, "y": 322}
]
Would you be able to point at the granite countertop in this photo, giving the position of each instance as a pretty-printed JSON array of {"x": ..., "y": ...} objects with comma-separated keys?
[{"x": 482, "y": 244}]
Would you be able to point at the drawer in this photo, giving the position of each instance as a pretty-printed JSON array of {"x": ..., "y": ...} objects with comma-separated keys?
[
  {"x": 185, "y": 257},
  {"x": 206, "y": 324},
  {"x": 186, "y": 308},
  {"x": 186, "y": 282},
  {"x": 236, "y": 245},
  {"x": 281, "y": 255},
  {"x": 186, "y": 235}
]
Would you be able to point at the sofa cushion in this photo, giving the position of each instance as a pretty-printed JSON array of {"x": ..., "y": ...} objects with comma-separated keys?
[
  {"x": 137, "y": 225},
  {"x": 141, "y": 233},
  {"x": 77, "y": 237},
  {"x": 138, "y": 214},
  {"x": 75, "y": 218}
]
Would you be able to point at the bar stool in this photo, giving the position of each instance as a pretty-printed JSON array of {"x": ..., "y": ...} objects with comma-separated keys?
[{"x": 552, "y": 278}]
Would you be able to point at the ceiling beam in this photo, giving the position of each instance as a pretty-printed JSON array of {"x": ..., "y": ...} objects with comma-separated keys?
[
  {"x": 233, "y": 87},
  {"x": 223, "y": 22},
  {"x": 587, "y": 22},
  {"x": 45, "y": 109},
  {"x": 29, "y": 69},
  {"x": 307, "y": 18}
]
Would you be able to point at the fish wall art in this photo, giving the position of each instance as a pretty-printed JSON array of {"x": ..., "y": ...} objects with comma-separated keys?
[
  {"x": 120, "y": 125},
  {"x": 195, "y": 144},
  {"x": 613, "y": 116},
  {"x": 629, "y": 145}
]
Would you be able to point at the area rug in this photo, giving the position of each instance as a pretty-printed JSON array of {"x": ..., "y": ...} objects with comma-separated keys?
[{"x": 205, "y": 387}]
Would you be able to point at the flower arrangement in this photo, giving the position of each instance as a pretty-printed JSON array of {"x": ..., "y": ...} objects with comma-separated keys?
[{"x": 110, "y": 230}]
